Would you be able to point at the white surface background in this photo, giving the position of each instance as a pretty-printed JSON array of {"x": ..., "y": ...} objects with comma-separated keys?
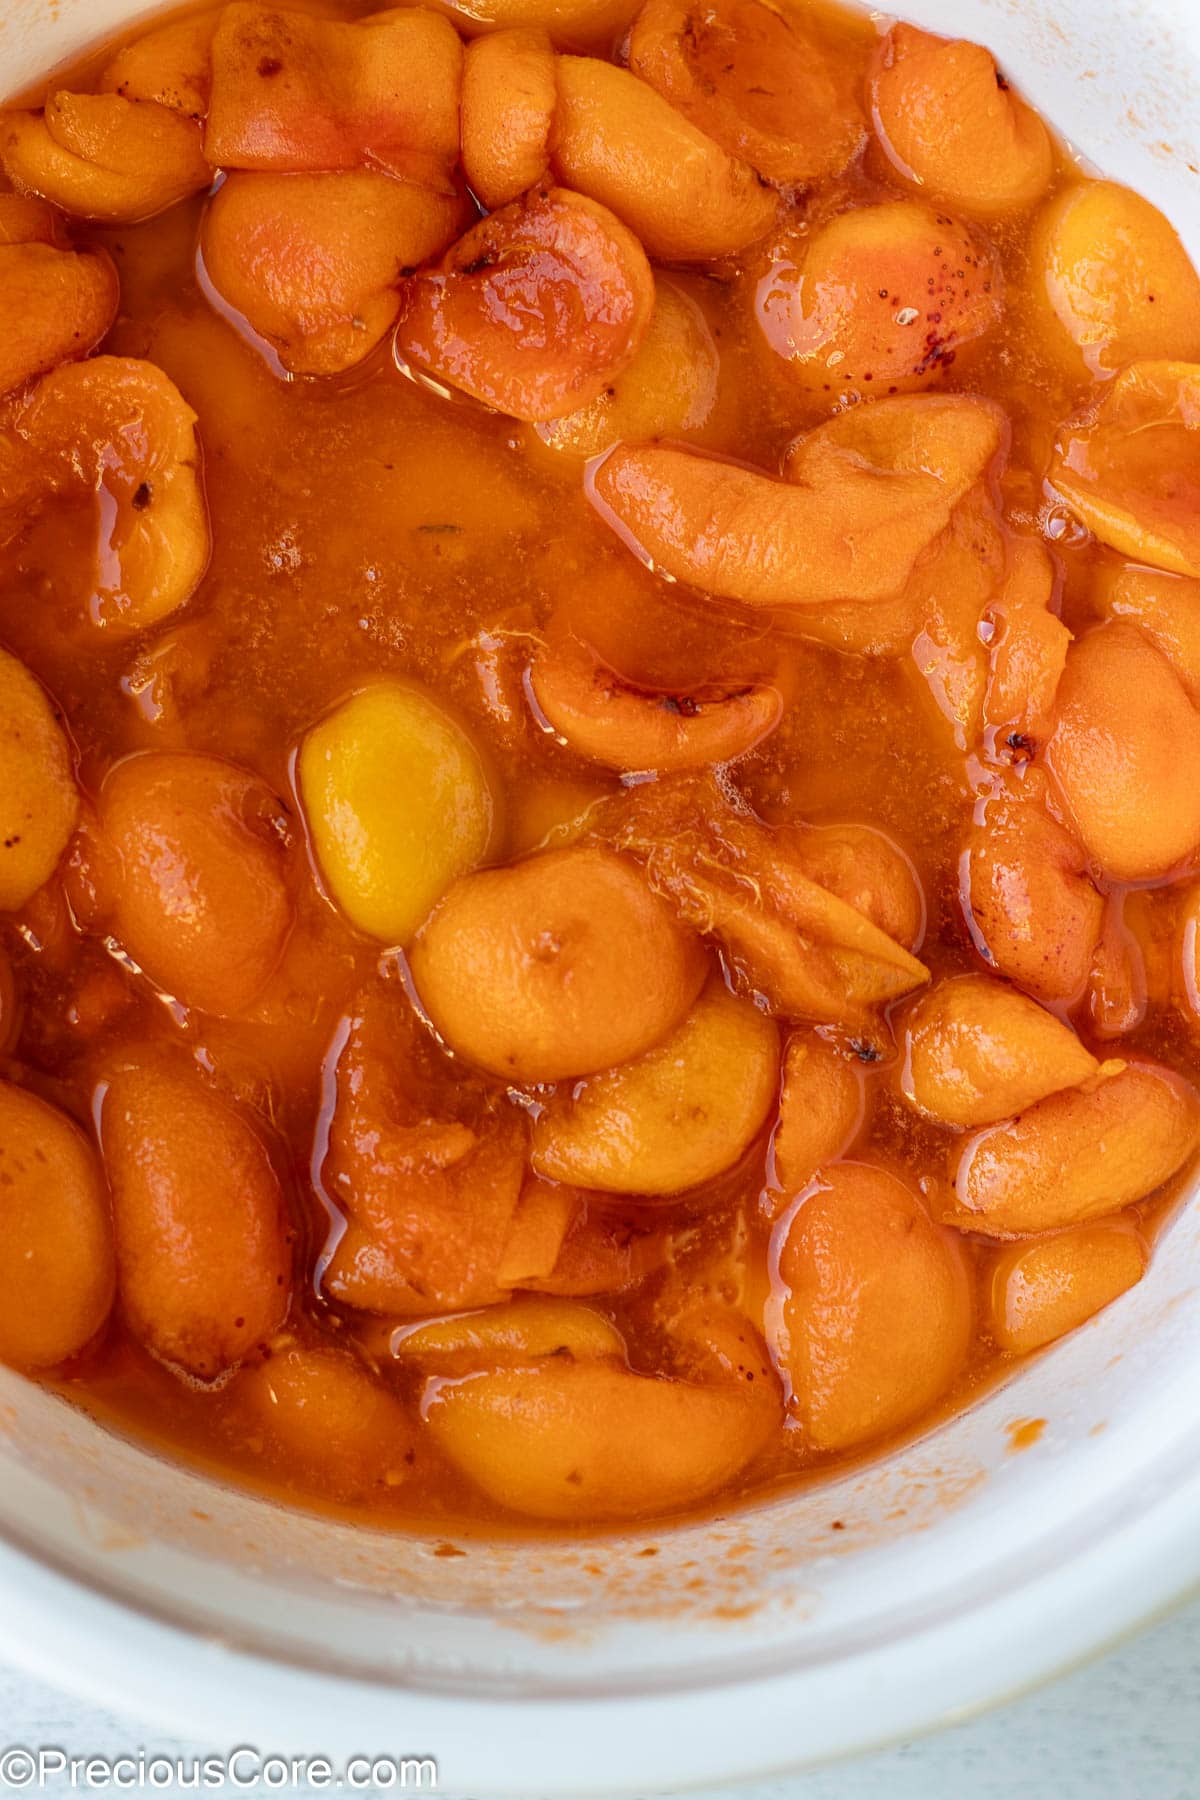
[{"x": 1126, "y": 1728}]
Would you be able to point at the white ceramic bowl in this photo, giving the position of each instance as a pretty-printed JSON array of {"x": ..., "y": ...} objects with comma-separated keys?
[{"x": 960, "y": 1572}]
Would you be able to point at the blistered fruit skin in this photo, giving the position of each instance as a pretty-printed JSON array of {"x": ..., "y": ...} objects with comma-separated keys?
[
  {"x": 1029, "y": 901},
  {"x": 56, "y": 1246},
  {"x": 1130, "y": 466},
  {"x": 876, "y": 1309},
  {"x": 311, "y": 261},
  {"x": 865, "y": 494},
  {"x": 678, "y": 191},
  {"x": 667, "y": 391},
  {"x": 562, "y": 965},
  {"x": 398, "y": 805},
  {"x": 57, "y": 301},
  {"x": 204, "y": 1245},
  {"x": 1111, "y": 282},
  {"x": 822, "y": 1108},
  {"x": 1041, "y": 1290},
  {"x": 116, "y": 427},
  {"x": 854, "y": 311},
  {"x": 1126, "y": 754},
  {"x": 1079, "y": 1154},
  {"x": 951, "y": 127},
  {"x": 320, "y": 1416},
  {"x": 753, "y": 79},
  {"x": 976, "y": 1051},
  {"x": 202, "y": 900},
  {"x": 293, "y": 92},
  {"x": 39, "y": 802},
  {"x": 172, "y": 66},
  {"x": 535, "y": 309},
  {"x": 612, "y": 723},
  {"x": 675, "y": 1117},
  {"x": 509, "y": 97},
  {"x": 103, "y": 157}
]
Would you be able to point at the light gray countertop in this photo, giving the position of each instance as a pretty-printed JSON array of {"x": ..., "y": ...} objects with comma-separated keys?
[{"x": 1126, "y": 1728}]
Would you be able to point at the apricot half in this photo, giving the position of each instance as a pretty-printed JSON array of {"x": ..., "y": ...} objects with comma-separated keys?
[
  {"x": 1039, "y": 1291},
  {"x": 172, "y": 65},
  {"x": 509, "y": 96},
  {"x": 822, "y": 1108},
  {"x": 1164, "y": 608},
  {"x": 562, "y": 965},
  {"x": 39, "y": 802},
  {"x": 535, "y": 309},
  {"x": 317, "y": 1416},
  {"x": 57, "y": 301},
  {"x": 1027, "y": 653},
  {"x": 101, "y": 156}
]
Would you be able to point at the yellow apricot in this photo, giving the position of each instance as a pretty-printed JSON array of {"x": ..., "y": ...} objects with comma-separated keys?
[
  {"x": 204, "y": 1242},
  {"x": 1165, "y": 609},
  {"x": 1111, "y": 283},
  {"x": 592, "y": 25},
  {"x": 39, "y": 802},
  {"x": 1079, "y": 1154},
  {"x": 291, "y": 91},
  {"x": 668, "y": 390},
  {"x": 117, "y": 428},
  {"x": 1131, "y": 467},
  {"x": 311, "y": 261},
  {"x": 678, "y": 191},
  {"x": 1027, "y": 653},
  {"x": 103, "y": 157},
  {"x": 755, "y": 79},
  {"x": 866, "y": 869},
  {"x": 558, "y": 966},
  {"x": 677, "y": 1116},
  {"x": 879, "y": 299},
  {"x": 57, "y": 301},
  {"x": 318, "y": 1417},
  {"x": 1030, "y": 904},
  {"x": 535, "y": 310},
  {"x": 56, "y": 1247},
  {"x": 1126, "y": 753},
  {"x": 953, "y": 128},
  {"x": 865, "y": 494},
  {"x": 398, "y": 805},
  {"x": 172, "y": 65},
  {"x": 822, "y": 1109},
  {"x": 543, "y": 1217},
  {"x": 611, "y": 723},
  {"x": 509, "y": 95},
  {"x": 518, "y": 1331},
  {"x": 976, "y": 1051},
  {"x": 875, "y": 1315},
  {"x": 1039, "y": 1291}
]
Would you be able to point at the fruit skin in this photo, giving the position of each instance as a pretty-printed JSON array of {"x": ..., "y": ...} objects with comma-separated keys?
[
  {"x": 39, "y": 802},
  {"x": 509, "y": 99},
  {"x": 57, "y": 1267},
  {"x": 322, "y": 1419},
  {"x": 58, "y": 301},
  {"x": 1038, "y": 1291},
  {"x": 100, "y": 156}
]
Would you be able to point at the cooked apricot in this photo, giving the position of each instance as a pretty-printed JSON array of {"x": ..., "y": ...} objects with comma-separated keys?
[
  {"x": 866, "y": 869},
  {"x": 317, "y": 1416},
  {"x": 545, "y": 1213},
  {"x": 1165, "y": 609},
  {"x": 976, "y": 1051},
  {"x": 1027, "y": 647},
  {"x": 621, "y": 142},
  {"x": 562, "y": 965},
  {"x": 822, "y": 1108},
  {"x": 39, "y": 802},
  {"x": 509, "y": 95},
  {"x": 56, "y": 1244},
  {"x": 1126, "y": 754},
  {"x": 953, "y": 128},
  {"x": 312, "y": 262},
  {"x": 535, "y": 309},
  {"x": 1111, "y": 283},
  {"x": 1029, "y": 900},
  {"x": 1118, "y": 989},
  {"x": 118, "y": 429},
  {"x": 172, "y": 65},
  {"x": 1131, "y": 467},
  {"x": 676, "y": 1116},
  {"x": 756, "y": 80},
  {"x": 865, "y": 494},
  {"x": 875, "y": 1315},
  {"x": 807, "y": 953},
  {"x": 516, "y": 1332},
  {"x": 1079, "y": 1154},
  {"x": 592, "y": 25},
  {"x": 104, "y": 157},
  {"x": 294, "y": 92},
  {"x": 607, "y": 1249},
  {"x": 398, "y": 805},
  {"x": 204, "y": 1243},
  {"x": 879, "y": 299},
  {"x": 668, "y": 390},
  {"x": 612, "y": 723},
  {"x": 201, "y": 898},
  {"x": 1039, "y": 1291},
  {"x": 58, "y": 302}
]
